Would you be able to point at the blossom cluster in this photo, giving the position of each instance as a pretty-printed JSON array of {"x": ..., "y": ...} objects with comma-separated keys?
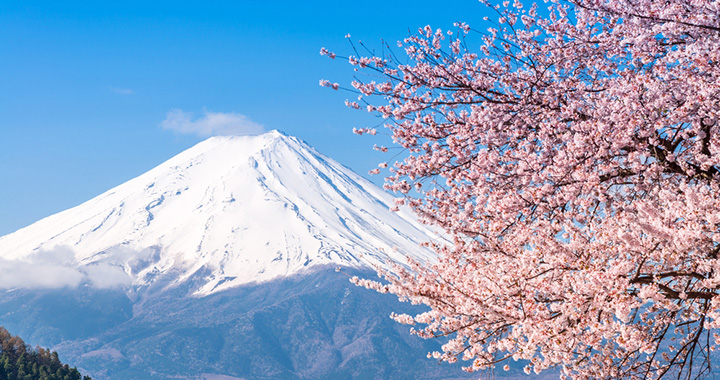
[{"x": 575, "y": 160}]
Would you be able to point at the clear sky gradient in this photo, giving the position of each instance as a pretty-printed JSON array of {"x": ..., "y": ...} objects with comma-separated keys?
[{"x": 86, "y": 85}]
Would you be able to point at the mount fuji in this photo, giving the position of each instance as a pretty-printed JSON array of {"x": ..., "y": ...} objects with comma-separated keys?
[
  {"x": 219, "y": 264},
  {"x": 232, "y": 210}
]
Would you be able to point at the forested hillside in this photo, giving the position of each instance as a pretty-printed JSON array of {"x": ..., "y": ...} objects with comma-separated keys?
[{"x": 20, "y": 362}]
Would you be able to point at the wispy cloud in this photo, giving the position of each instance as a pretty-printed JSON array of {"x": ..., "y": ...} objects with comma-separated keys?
[
  {"x": 105, "y": 275},
  {"x": 121, "y": 91},
  {"x": 55, "y": 269},
  {"x": 210, "y": 124}
]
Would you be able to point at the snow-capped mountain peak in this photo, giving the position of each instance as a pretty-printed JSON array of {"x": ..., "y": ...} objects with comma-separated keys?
[{"x": 229, "y": 211}]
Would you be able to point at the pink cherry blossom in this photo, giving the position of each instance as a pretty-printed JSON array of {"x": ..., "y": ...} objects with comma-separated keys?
[
  {"x": 574, "y": 159},
  {"x": 327, "y": 83},
  {"x": 324, "y": 51}
]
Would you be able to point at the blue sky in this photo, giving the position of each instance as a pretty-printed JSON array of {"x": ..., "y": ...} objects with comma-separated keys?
[{"x": 86, "y": 85}]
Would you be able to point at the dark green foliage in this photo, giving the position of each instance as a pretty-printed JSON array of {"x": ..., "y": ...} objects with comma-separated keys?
[{"x": 20, "y": 362}]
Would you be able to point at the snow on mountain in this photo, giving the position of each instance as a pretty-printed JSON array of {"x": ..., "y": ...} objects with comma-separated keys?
[{"x": 230, "y": 210}]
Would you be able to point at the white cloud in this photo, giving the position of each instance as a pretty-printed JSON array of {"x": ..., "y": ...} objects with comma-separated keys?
[
  {"x": 20, "y": 274},
  {"x": 56, "y": 269},
  {"x": 211, "y": 124},
  {"x": 41, "y": 270},
  {"x": 105, "y": 276}
]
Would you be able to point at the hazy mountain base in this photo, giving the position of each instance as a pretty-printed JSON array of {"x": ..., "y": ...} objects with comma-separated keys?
[{"x": 312, "y": 326}]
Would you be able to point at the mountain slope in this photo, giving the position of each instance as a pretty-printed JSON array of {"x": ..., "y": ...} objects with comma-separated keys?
[
  {"x": 219, "y": 265},
  {"x": 312, "y": 326},
  {"x": 231, "y": 210}
]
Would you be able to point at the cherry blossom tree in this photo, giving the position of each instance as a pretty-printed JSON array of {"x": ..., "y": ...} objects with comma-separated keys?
[{"x": 572, "y": 151}]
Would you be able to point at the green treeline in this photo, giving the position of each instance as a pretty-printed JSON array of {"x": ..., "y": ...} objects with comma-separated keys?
[{"x": 20, "y": 362}]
